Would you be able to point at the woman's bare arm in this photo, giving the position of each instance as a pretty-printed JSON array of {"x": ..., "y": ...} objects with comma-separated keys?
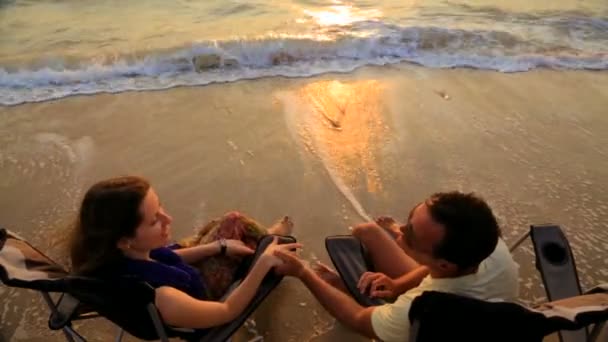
[
  {"x": 179, "y": 309},
  {"x": 193, "y": 254}
]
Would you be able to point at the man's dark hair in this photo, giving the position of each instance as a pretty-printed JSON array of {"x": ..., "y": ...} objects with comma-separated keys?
[{"x": 471, "y": 230}]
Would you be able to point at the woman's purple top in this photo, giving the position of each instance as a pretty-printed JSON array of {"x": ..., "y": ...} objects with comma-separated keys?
[{"x": 168, "y": 269}]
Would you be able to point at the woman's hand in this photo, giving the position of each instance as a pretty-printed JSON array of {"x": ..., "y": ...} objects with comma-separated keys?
[
  {"x": 379, "y": 284},
  {"x": 274, "y": 252},
  {"x": 236, "y": 248},
  {"x": 291, "y": 264}
]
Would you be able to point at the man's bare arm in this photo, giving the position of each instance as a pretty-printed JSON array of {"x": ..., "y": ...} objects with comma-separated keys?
[
  {"x": 343, "y": 307},
  {"x": 410, "y": 280}
]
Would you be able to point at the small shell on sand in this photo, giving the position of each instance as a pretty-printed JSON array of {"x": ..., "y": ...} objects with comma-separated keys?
[{"x": 443, "y": 94}]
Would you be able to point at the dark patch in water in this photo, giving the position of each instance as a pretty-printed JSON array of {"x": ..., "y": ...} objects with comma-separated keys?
[
  {"x": 6, "y": 3},
  {"x": 233, "y": 9}
]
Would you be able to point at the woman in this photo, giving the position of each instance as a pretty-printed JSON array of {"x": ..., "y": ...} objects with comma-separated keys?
[{"x": 122, "y": 230}]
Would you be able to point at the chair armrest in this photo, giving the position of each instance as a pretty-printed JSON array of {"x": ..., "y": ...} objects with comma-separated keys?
[
  {"x": 269, "y": 283},
  {"x": 600, "y": 288},
  {"x": 581, "y": 310},
  {"x": 346, "y": 254}
]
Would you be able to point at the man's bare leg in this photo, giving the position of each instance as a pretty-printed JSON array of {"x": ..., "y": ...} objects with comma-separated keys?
[{"x": 387, "y": 256}]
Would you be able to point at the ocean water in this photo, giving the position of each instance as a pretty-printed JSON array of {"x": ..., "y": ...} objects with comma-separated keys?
[{"x": 55, "y": 48}]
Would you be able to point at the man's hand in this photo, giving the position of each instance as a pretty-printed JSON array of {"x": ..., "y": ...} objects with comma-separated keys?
[
  {"x": 292, "y": 265},
  {"x": 379, "y": 284}
]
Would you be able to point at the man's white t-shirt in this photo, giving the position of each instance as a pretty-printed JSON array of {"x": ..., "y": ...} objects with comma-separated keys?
[{"x": 496, "y": 278}]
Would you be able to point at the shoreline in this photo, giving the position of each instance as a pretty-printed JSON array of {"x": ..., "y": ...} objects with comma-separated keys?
[
  {"x": 533, "y": 144},
  {"x": 215, "y": 64}
]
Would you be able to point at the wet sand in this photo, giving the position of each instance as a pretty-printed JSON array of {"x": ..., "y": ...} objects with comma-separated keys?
[{"x": 328, "y": 151}]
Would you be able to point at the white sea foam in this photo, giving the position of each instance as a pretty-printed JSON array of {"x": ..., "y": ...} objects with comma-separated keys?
[{"x": 374, "y": 43}]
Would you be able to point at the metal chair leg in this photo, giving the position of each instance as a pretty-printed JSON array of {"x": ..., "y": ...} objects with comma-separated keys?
[
  {"x": 596, "y": 331},
  {"x": 519, "y": 241},
  {"x": 72, "y": 335},
  {"x": 119, "y": 335},
  {"x": 158, "y": 325},
  {"x": 67, "y": 331},
  {"x": 68, "y": 335}
]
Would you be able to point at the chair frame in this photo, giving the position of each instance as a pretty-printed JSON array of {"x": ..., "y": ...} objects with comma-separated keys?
[
  {"x": 72, "y": 335},
  {"x": 571, "y": 274},
  {"x": 65, "y": 308},
  {"x": 342, "y": 249}
]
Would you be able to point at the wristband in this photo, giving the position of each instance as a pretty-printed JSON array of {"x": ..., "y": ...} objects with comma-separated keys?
[{"x": 223, "y": 246}]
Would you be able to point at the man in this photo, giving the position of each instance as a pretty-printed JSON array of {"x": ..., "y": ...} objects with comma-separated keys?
[{"x": 454, "y": 237}]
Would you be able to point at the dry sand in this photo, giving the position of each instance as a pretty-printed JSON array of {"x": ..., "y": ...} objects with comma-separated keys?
[{"x": 328, "y": 151}]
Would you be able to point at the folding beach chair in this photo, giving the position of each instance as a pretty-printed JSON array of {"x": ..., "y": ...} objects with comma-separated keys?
[
  {"x": 440, "y": 316},
  {"x": 126, "y": 302},
  {"x": 554, "y": 261}
]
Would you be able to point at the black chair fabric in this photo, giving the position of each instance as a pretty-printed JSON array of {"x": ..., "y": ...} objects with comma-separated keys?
[
  {"x": 446, "y": 316},
  {"x": 349, "y": 258}
]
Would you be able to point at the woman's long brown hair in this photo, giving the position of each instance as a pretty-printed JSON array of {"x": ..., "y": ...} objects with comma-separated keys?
[{"x": 109, "y": 211}]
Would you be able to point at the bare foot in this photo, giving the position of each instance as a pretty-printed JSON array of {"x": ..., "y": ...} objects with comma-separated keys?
[
  {"x": 283, "y": 227},
  {"x": 329, "y": 275}
]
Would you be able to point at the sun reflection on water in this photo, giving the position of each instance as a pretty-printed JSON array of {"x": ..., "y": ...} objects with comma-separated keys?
[
  {"x": 341, "y": 15},
  {"x": 347, "y": 128}
]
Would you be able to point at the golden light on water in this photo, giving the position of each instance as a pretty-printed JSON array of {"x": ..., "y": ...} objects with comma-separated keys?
[
  {"x": 346, "y": 128},
  {"x": 341, "y": 15}
]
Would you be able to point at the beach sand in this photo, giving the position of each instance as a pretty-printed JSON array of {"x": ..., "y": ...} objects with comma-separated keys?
[{"x": 328, "y": 151}]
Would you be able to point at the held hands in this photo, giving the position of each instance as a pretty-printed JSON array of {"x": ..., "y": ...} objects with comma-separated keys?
[
  {"x": 379, "y": 285},
  {"x": 291, "y": 264},
  {"x": 275, "y": 253}
]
